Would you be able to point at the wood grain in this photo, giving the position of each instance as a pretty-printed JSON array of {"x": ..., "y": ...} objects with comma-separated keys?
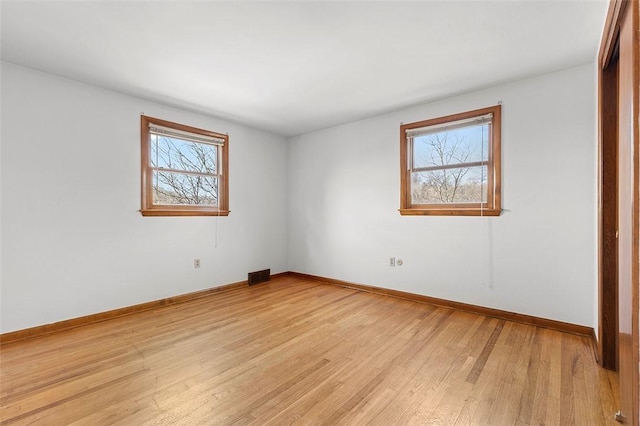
[
  {"x": 496, "y": 313},
  {"x": 628, "y": 212},
  {"x": 608, "y": 216},
  {"x": 298, "y": 351},
  {"x": 611, "y": 32},
  {"x": 115, "y": 313}
]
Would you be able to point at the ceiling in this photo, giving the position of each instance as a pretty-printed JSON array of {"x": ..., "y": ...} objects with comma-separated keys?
[{"x": 295, "y": 67}]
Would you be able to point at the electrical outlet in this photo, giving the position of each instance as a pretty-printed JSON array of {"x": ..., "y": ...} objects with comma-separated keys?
[
  {"x": 399, "y": 262},
  {"x": 196, "y": 263},
  {"x": 392, "y": 261}
]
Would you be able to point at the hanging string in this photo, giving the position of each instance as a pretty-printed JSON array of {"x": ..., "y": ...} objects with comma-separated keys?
[
  {"x": 482, "y": 177},
  {"x": 219, "y": 196},
  {"x": 482, "y": 221},
  {"x": 221, "y": 193},
  {"x": 215, "y": 230}
]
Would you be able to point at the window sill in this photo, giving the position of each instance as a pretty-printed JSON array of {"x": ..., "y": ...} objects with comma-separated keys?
[
  {"x": 450, "y": 212},
  {"x": 183, "y": 212}
]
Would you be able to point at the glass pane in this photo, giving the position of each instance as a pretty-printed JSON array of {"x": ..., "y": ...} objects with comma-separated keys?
[
  {"x": 181, "y": 189},
  {"x": 463, "y": 145},
  {"x": 460, "y": 185},
  {"x": 178, "y": 154}
]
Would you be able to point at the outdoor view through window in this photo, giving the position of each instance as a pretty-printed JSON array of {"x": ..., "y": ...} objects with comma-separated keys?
[
  {"x": 183, "y": 170},
  {"x": 451, "y": 164}
]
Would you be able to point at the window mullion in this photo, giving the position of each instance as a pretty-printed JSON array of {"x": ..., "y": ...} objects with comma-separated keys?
[
  {"x": 451, "y": 166},
  {"x": 183, "y": 172}
]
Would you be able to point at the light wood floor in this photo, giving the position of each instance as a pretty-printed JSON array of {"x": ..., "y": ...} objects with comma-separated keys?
[{"x": 296, "y": 351}]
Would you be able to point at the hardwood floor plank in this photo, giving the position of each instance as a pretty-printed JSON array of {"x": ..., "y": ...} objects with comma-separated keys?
[
  {"x": 475, "y": 372},
  {"x": 532, "y": 406},
  {"x": 296, "y": 351}
]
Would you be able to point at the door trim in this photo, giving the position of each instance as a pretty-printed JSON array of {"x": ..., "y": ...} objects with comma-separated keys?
[{"x": 628, "y": 354}]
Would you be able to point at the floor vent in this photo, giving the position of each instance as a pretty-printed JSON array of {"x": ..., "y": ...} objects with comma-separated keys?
[{"x": 259, "y": 276}]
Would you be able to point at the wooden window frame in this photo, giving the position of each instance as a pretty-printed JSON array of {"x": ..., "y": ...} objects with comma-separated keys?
[
  {"x": 151, "y": 209},
  {"x": 492, "y": 207}
]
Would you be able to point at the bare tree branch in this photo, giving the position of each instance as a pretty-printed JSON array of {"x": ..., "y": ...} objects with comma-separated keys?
[
  {"x": 185, "y": 188},
  {"x": 447, "y": 185}
]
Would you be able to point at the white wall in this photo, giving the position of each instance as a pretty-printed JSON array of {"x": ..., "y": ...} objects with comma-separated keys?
[
  {"x": 73, "y": 241},
  {"x": 537, "y": 258}
]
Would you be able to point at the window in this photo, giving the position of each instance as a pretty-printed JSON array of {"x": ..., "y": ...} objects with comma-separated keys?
[
  {"x": 451, "y": 165},
  {"x": 184, "y": 170}
]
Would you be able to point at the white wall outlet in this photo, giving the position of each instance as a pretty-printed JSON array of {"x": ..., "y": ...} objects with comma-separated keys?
[
  {"x": 196, "y": 263},
  {"x": 399, "y": 262},
  {"x": 392, "y": 261}
]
